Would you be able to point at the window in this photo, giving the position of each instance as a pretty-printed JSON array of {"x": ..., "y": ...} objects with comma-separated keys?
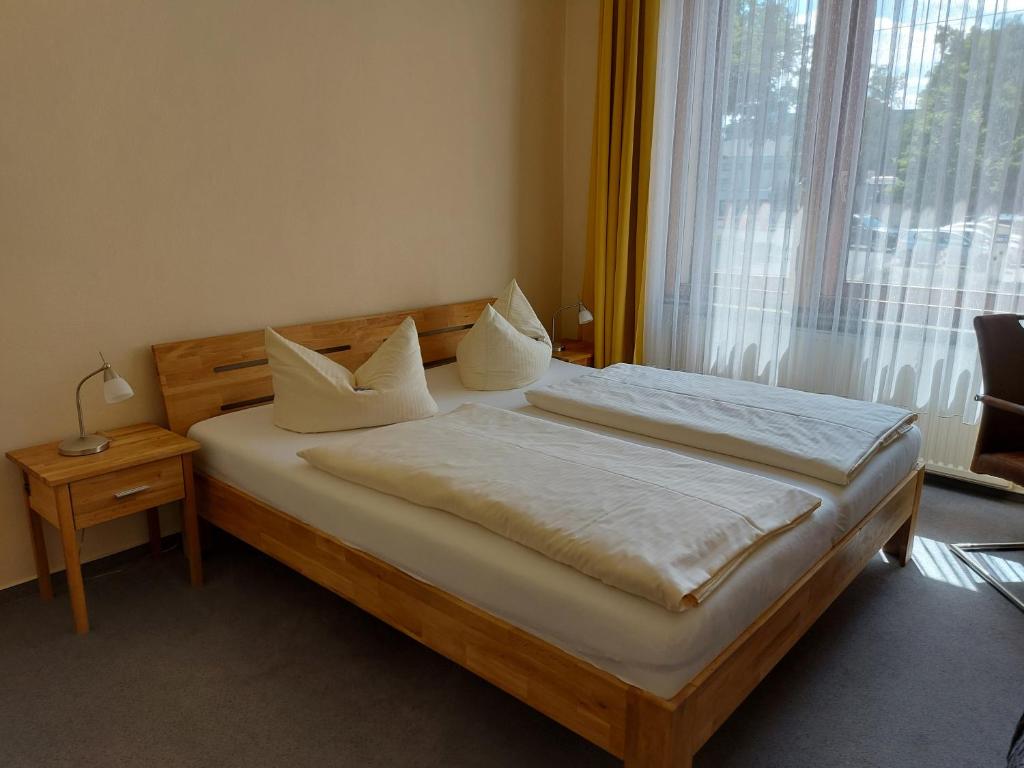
[{"x": 837, "y": 193}]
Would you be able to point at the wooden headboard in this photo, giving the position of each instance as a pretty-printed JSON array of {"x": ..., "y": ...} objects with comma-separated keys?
[{"x": 202, "y": 378}]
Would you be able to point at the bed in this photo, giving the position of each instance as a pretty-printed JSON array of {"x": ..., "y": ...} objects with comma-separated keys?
[{"x": 646, "y": 684}]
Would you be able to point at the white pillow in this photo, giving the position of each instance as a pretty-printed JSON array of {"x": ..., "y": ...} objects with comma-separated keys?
[
  {"x": 507, "y": 348},
  {"x": 312, "y": 393}
]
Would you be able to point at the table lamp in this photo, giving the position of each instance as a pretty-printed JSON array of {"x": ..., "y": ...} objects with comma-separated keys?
[
  {"x": 583, "y": 317},
  {"x": 115, "y": 389}
]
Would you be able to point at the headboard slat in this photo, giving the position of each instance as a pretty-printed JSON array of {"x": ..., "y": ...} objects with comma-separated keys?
[{"x": 201, "y": 378}]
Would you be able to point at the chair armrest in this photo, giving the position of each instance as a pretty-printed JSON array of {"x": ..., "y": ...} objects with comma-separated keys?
[{"x": 999, "y": 404}]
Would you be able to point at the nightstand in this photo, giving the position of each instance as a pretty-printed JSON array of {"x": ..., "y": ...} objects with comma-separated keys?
[
  {"x": 145, "y": 466},
  {"x": 576, "y": 352}
]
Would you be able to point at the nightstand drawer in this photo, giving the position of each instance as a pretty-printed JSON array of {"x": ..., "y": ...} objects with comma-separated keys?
[{"x": 125, "y": 491}]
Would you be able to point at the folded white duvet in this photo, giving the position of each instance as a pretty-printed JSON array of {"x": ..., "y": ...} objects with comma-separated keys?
[
  {"x": 821, "y": 436},
  {"x": 649, "y": 522}
]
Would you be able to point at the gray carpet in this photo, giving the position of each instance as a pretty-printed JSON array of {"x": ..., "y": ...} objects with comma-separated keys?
[{"x": 261, "y": 667}]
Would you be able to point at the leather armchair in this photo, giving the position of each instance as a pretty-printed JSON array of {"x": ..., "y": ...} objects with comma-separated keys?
[{"x": 999, "y": 450}]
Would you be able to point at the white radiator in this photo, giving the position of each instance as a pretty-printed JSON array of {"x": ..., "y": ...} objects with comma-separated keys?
[{"x": 949, "y": 446}]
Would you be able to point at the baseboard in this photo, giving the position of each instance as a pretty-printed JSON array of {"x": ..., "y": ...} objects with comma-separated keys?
[
  {"x": 976, "y": 487},
  {"x": 93, "y": 569}
]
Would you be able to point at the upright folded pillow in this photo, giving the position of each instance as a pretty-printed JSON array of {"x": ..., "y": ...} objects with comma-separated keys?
[
  {"x": 507, "y": 348},
  {"x": 312, "y": 393}
]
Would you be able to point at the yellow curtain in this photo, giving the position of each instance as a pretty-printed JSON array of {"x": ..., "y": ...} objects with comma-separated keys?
[{"x": 614, "y": 275}]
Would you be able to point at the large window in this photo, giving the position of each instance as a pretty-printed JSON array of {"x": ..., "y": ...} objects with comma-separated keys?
[
  {"x": 837, "y": 192},
  {"x": 936, "y": 226}
]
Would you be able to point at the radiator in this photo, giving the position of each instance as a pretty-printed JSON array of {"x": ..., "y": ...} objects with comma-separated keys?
[{"x": 948, "y": 447}]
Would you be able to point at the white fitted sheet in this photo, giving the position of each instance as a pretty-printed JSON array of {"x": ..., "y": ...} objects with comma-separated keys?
[{"x": 632, "y": 638}]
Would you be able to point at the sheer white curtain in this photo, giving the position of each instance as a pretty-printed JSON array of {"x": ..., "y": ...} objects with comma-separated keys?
[{"x": 836, "y": 193}]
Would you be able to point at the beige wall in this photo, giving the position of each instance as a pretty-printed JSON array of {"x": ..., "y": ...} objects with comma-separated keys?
[
  {"x": 176, "y": 168},
  {"x": 581, "y": 30}
]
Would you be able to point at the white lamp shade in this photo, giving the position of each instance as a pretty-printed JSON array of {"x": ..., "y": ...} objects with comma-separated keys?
[
  {"x": 585, "y": 316},
  {"x": 116, "y": 389}
]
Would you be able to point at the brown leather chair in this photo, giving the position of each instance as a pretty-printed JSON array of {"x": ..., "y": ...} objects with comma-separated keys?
[{"x": 1000, "y": 448}]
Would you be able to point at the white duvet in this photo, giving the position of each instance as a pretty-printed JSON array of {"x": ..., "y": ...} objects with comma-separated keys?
[
  {"x": 650, "y": 522},
  {"x": 820, "y": 436}
]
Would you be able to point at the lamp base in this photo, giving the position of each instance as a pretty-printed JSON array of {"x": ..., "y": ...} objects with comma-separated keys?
[{"x": 83, "y": 446}]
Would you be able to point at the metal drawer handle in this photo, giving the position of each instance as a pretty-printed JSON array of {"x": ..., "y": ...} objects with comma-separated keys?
[{"x": 130, "y": 491}]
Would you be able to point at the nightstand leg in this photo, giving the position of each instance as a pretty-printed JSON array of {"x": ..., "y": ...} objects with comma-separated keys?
[
  {"x": 35, "y": 525},
  {"x": 190, "y": 524},
  {"x": 76, "y": 589},
  {"x": 153, "y": 521}
]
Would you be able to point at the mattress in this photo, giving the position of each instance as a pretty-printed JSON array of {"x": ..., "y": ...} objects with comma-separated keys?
[{"x": 629, "y": 637}]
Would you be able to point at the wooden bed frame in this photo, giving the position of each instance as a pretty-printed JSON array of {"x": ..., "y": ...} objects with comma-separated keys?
[{"x": 202, "y": 378}]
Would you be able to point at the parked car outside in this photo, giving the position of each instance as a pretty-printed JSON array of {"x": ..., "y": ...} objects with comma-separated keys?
[{"x": 871, "y": 232}]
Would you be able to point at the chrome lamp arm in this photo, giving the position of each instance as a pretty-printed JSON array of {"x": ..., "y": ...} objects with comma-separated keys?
[
  {"x": 583, "y": 317},
  {"x": 78, "y": 396}
]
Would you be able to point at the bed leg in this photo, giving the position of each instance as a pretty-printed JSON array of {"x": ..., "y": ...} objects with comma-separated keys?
[
  {"x": 901, "y": 545},
  {"x": 657, "y": 732}
]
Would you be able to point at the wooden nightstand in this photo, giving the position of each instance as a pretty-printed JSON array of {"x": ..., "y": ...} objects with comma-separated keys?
[
  {"x": 145, "y": 466},
  {"x": 576, "y": 352}
]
